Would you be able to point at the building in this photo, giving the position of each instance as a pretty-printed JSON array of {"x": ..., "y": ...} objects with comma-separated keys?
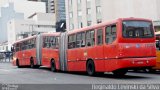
[
  {"x": 37, "y": 23},
  {"x": 17, "y": 10},
  {"x": 60, "y": 10},
  {"x": 2, "y": 2},
  {"x": 7, "y": 13},
  {"x": 82, "y": 13},
  {"x": 50, "y": 7},
  {"x": 4, "y": 47},
  {"x": 28, "y": 7}
]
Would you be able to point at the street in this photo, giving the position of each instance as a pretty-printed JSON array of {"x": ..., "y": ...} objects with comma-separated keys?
[{"x": 12, "y": 75}]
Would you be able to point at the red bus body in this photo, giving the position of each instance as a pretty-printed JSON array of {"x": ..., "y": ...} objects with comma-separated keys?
[
  {"x": 39, "y": 51},
  {"x": 122, "y": 53},
  {"x": 105, "y": 47},
  {"x": 23, "y": 56}
]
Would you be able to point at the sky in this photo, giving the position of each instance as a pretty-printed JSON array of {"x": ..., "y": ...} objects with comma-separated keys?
[
  {"x": 24, "y": 8},
  {"x": 4, "y": 2}
]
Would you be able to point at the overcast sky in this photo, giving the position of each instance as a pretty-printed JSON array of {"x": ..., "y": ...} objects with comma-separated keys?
[{"x": 21, "y": 7}]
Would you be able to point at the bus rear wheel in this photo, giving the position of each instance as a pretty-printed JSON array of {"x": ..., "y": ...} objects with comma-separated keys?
[
  {"x": 120, "y": 72},
  {"x": 90, "y": 68},
  {"x": 53, "y": 66}
]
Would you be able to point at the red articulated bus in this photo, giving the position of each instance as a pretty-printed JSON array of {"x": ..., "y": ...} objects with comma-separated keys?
[
  {"x": 117, "y": 46},
  {"x": 38, "y": 50}
]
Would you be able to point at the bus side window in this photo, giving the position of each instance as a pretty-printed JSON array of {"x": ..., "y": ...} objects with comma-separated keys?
[
  {"x": 57, "y": 42},
  {"x": 114, "y": 35},
  {"x": 110, "y": 34},
  {"x": 71, "y": 41},
  {"x": 99, "y": 37},
  {"x": 78, "y": 40},
  {"x": 83, "y": 40},
  {"x": 90, "y": 40}
]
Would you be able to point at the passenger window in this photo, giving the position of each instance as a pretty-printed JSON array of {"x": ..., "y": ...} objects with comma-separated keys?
[
  {"x": 83, "y": 40},
  {"x": 99, "y": 37},
  {"x": 90, "y": 40},
  {"x": 17, "y": 47},
  {"x": 110, "y": 34},
  {"x": 46, "y": 42},
  {"x": 71, "y": 41},
  {"x": 57, "y": 42},
  {"x": 78, "y": 40}
]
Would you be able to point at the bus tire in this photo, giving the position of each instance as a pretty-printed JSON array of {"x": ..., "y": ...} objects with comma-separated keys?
[
  {"x": 90, "y": 68},
  {"x": 17, "y": 63},
  {"x": 120, "y": 72},
  {"x": 32, "y": 63},
  {"x": 53, "y": 66}
]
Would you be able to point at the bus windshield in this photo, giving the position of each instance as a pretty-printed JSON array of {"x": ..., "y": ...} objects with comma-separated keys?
[{"x": 137, "y": 29}]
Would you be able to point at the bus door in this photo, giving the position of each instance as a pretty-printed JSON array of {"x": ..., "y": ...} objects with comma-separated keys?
[
  {"x": 80, "y": 64},
  {"x": 62, "y": 51},
  {"x": 99, "y": 60},
  {"x": 72, "y": 52},
  {"x": 22, "y": 54},
  {"x": 90, "y": 52},
  {"x": 110, "y": 50}
]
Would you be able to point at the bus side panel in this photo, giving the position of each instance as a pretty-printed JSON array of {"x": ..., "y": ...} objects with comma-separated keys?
[
  {"x": 20, "y": 55},
  {"x": 81, "y": 59},
  {"x": 30, "y": 53},
  {"x": 47, "y": 55},
  {"x": 129, "y": 63}
]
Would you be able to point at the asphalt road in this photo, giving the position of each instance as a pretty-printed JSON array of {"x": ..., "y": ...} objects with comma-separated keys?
[{"x": 12, "y": 75}]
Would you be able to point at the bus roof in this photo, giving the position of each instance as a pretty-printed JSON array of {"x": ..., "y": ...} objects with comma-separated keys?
[
  {"x": 34, "y": 36},
  {"x": 106, "y": 23}
]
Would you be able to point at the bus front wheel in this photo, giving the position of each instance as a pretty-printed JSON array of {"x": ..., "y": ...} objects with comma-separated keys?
[
  {"x": 90, "y": 68},
  {"x": 17, "y": 63}
]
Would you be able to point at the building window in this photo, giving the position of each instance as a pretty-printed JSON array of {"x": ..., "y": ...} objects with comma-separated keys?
[
  {"x": 80, "y": 25},
  {"x": 99, "y": 21},
  {"x": 79, "y": 1},
  {"x": 70, "y": 2},
  {"x": 79, "y": 13},
  {"x": 98, "y": 2},
  {"x": 88, "y": 10},
  {"x": 89, "y": 23},
  {"x": 98, "y": 9},
  {"x": 70, "y": 15},
  {"x": 71, "y": 26}
]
